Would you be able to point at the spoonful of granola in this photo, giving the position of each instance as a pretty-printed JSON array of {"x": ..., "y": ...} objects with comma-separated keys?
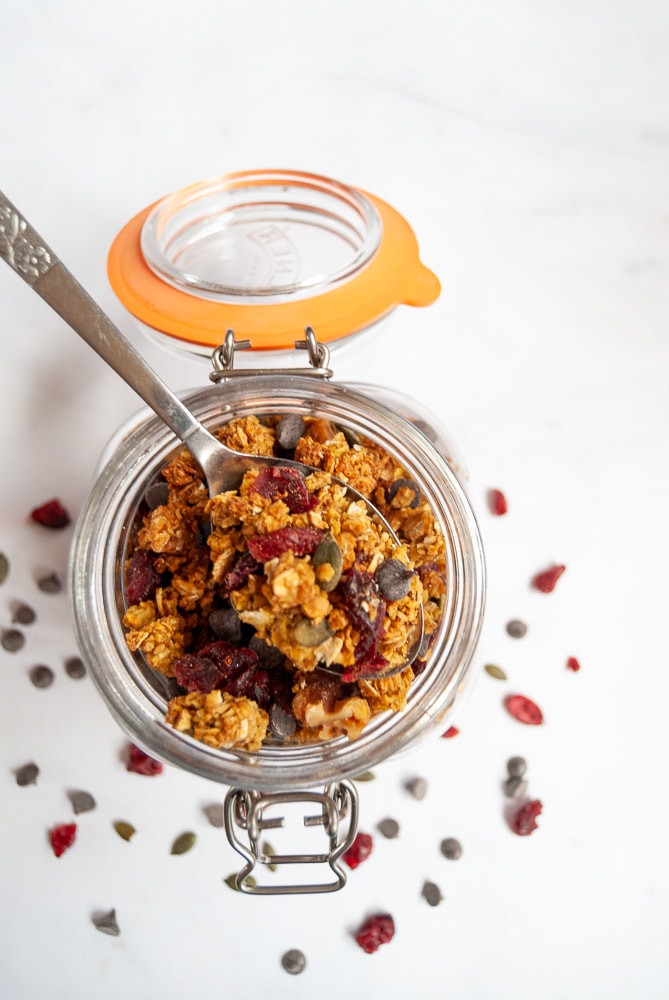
[{"x": 337, "y": 590}]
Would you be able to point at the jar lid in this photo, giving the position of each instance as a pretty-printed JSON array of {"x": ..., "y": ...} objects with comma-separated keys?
[{"x": 266, "y": 253}]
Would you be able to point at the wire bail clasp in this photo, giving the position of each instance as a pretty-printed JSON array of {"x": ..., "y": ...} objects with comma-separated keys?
[{"x": 223, "y": 356}]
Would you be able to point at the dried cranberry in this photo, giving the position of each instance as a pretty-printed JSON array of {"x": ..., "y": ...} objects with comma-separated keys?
[
  {"x": 524, "y": 709},
  {"x": 253, "y": 684},
  {"x": 497, "y": 502},
  {"x": 545, "y": 582},
  {"x": 359, "y": 850},
  {"x": 285, "y": 484},
  {"x": 230, "y": 660},
  {"x": 62, "y": 837},
  {"x": 573, "y": 664},
  {"x": 376, "y": 930},
  {"x": 366, "y": 610},
  {"x": 141, "y": 579},
  {"x": 245, "y": 566},
  {"x": 450, "y": 733},
  {"x": 141, "y": 763},
  {"x": 51, "y": 514},
  {"x": 301, "y": 541},
  {"x": 525, "y": 820},
  {"x": 197, "y": 673}
]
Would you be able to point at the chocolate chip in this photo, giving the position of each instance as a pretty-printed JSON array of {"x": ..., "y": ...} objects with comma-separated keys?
[
  {"x": 404, "y": 484},
  {"x": 215, "y": 813},
  {"x": 27, "y": 775},
  {"x": 268, "y": 656},
  {"x": 516, "y": 628},
  {"x": 74, "y": 667},
  {"x": 157, "y": 495},
  {"x": 289, "y": 430},
  {"x": 50, "y": 583},
  {"x": 12, "y": 640},
  {"x": 23, "y": 614},
  {"x": 294, "y": 961},
  {"x": 106, "y": 922},
  {"x": 417, "y": 787},
  {"x": 81, "y": 801},
  {"x": 432, "y": 893},
  {"x": 41, "y": 676},
  {"x": 226, "y": 624},
  {"x": 451, "y": 848},
  {"x": 393, "y": 579},
  {"x": 515, "y": 787},
  {"x": 281, "y": 723},
  {"x": 389, "y": 828},
  {"x": 516, "y": 767}
]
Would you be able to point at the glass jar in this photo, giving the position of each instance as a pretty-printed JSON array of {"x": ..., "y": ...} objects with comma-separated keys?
[{"x": 279, "y": 772}]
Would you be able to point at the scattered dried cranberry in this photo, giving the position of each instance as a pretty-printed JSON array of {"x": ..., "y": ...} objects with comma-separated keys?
[
  {"x": 284, "y": 483},
  {"x": 51, "y": 514},
  {"x": 141, "y": 578},
  {"x": 376, "y": 930},
  {"x": 359, "y": 850},
  {"x": 545, "y": 582},
  {"x": 573, "y": 664},
  {"x": 497, "y": 502},
  {"x": 197, "y": 673},
  {"x": 62, "y": 837},
  {"x": 450, "y": 733},
  {"x": 525, "y": 820},
  {"x": 524, "y": 709},
  {"x": 301, "y": 541},
  {"x": 141, "y": 763}
]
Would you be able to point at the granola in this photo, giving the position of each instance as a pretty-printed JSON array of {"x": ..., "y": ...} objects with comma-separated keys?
[{"x": 298, "y": 565}]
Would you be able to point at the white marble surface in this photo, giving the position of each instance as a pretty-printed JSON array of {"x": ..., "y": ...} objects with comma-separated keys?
[{"x": 528, "y": 145}]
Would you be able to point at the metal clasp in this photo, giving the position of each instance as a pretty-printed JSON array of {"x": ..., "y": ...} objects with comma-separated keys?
[
  {"x": 247, "y": 811},
  {"x": 222, "y": 359}
]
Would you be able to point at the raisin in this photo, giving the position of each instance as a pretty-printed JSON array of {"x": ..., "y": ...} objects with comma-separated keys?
[
  {"x": 366, "y": 610},
  {"x": 62, "y": 837},
  {"x": 359, "y": 850},
  {"x": 525, "y": 821},
  {"x": 377, "y": 930},
  {"x": 141, "y": 579},
  {"x": 497, "y": 502},
  {"x": 524, "y": 709},
  {"x": 301, "y": 541},
  {"x": 140, "y": 763},
  {"x": 545, "y": 581},
  {"x": 283, "y": 483},
  {"x": 197, "y": 673},
  {"x": 51, "y": 514}
]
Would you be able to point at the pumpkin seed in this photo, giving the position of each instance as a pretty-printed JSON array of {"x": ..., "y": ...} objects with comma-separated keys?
[
  {"x": 4, "y": 567},
  {"x": 494, "y": 671},
  {"x": 308, "y": 633},
  {"x": 365, "y": 776},
  {"x": 231, "y": 882},
  {"x": 183, "y": 843},
  {"x": 125, "y": 830},
  {"x": 327, "y": 562}
]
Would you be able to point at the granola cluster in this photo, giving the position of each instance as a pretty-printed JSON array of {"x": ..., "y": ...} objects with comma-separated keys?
[{"x": 278, "y": 608}]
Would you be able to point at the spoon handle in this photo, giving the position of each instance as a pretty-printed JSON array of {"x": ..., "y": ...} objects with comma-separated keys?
[{"x": 33, "y": 260}]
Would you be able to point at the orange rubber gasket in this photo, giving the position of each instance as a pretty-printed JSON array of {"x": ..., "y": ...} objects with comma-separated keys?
[{"x": 394, "y": 276}]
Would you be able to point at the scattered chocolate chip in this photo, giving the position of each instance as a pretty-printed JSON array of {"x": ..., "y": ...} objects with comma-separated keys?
[
  {"x": 282, "y": 723},
  {"x": 81, "y": 801},
  {"x": 417, "y": 787},
  {"x": 516, "y": 628},
  {"x": 451, "y": 848},
  {"x": 289, "y": 430},
  {"x": 183, "y": 843},
  {"x": 50, "y": 583},
  {"x": 495, "y": 671},
  {"x": 12, "y": 640},
  {"x": 393, "y": 579},
  {"x": 389, "y": 828},
  {"x": 215, "y": 813},
  {"x": 516, "y": 767},
  {"x": 27, "y": 775},
  {"x": 294, "y": 961},
  {"x": 404, "y": 484},
  {"x": 106, "y": 922},
  {"x": 431, "y": 893},
  {"x": 74, "y": 667},
  {"x": 225, "y": 623},
  {"x": 125, "y": 830},
  {"x": 23, "y": 615},
  {"x": 515, "y": 787},
  {"x": 41, "y": 676},
  {"x": 157, "y": 495},
  {"x": 4, "y": 567}
]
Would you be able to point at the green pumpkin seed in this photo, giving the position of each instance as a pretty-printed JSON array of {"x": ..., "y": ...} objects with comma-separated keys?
[
  {"x": 308, "y": 633},
  {"x": 494, "y": 671},
  {"x": 365, "y": 776},
  {"x": 266, "y": 848},
  {"x": 125, "y": 830},
  {"x": 4, "y": 567},
  {"x": 183, "y": 843},
  {"x": 231, "y": 882},
  {"x": 329, "y": 554}
]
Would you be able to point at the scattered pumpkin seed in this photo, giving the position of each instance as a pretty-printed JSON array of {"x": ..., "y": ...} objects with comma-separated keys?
[
  {"x": 125, "y": 830},
  {"x": 215, "y": 813},
  {"x": 294, "y": 961},
  {"x": 4, "y": 567},
  {"x": 365, "y": 776},
  {"x": 308, "y": 633},
  {"x": 327, "y": 562},
  {"x": 50, "y": 583},
  {"x": 389, "y": 828},
  {"x": 451, "y": 848},
  {"x": 23, "y": 614},
  {"x": 41, "y": 676},
  {"x": 231, "y": 882},
  {"x": 431, "y": 893},
  {"x": 106, "y": 922},
  {"x": 266, "y": 848},
  {"x": 12, "y": 640},
  {"x": 495, "y": 671},
  {"x": 27, "y": 775},
  {"x": 74, "y": 667},
  {"x": 183, "y": 843},
  {"x": 81, "y": 801}
]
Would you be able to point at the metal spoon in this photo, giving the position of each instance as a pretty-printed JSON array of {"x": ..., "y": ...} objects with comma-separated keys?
[{"x": 33, "y": 260}]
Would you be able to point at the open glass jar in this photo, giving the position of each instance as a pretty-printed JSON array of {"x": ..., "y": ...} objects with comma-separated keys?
[{"x": 283, "y": 772}]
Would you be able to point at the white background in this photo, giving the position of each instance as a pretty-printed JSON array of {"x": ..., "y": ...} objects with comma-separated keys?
[{"x": 527, "y": 143}]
